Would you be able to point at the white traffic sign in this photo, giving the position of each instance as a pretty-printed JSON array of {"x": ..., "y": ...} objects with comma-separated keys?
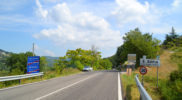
[{"x": 149, "y": 62}]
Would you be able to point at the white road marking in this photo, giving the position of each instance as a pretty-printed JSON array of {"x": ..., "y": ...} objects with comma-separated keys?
[
  {"x": 119, "y": 88},
  {"x": 64, "y": 88},
  {"x": 33, "y": 83}
]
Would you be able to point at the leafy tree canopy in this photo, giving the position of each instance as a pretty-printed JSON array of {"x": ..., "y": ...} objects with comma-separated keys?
[{"x": 137, "y": 43}]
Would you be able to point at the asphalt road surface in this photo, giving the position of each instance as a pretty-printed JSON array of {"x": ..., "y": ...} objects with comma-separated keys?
[{"x": 99, "y": 85}]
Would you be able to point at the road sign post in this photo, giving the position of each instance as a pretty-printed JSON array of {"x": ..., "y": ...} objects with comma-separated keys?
[
  {"x": 151, "y": 62},
  {"x": 131, "y": 63},
  {"x": 143, "y": 71},
  {"x": 158, "y": 58}
]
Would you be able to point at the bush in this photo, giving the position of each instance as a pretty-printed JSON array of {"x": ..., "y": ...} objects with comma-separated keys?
[
  {"x": 176, "y": 75},
  {"x": 78, "y": 65},
  {"x": 16, "y": 71},
  {"x": 172, "y": 89},
  {"x": 180, "y": 67},
  {"x": 165, "y": 90},
  {"x": 4, "y": 73}
]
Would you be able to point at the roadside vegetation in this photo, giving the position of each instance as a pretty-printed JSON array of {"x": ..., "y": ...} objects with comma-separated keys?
[
  {"x": 73, "y": 62},
  {"x": 170, "y": 71},
  {"x": 136, "y": 42},
  {"x": 79, "y": 58}
]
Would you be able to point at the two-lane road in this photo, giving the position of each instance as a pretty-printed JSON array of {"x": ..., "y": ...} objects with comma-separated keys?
[{"x": 100, "y": 85}]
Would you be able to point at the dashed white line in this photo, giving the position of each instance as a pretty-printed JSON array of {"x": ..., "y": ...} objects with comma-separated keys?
[{"x": 64, "y": 88}]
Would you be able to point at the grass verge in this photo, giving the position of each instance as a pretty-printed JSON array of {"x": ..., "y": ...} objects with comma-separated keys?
[
  {"x": 129, "y": 86},
  {"x": 150, "y": 80}
]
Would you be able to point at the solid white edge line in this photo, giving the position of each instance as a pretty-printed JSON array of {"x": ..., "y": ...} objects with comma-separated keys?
[
  {"x": 119, "y": 88},
  {"x": 64, "y": 88}
]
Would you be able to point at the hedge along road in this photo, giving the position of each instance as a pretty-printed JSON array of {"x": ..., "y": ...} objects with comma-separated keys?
[{"x": 99, "y": 85}]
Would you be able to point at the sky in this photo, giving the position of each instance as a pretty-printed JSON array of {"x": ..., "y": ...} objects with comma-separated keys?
[{"x": 56, "y": 26}]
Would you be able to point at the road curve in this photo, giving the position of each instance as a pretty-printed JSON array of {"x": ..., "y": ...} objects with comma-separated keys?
[{"x": 99, "y": 85}]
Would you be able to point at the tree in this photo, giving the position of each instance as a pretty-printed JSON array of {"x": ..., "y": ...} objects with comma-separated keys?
[
  {"x": 78, "y": 65},
  {"x": 113, "y": 60},
  {"x": 173, "y": 34},
  {"x": 79, "y": 58},
  {"x": 96, "y": 56},
  {"x": 17, "y": 63},
  {"x": 137, "y": 43},
  {"x": 60, "y": 64},
  {"x": 43, "y": 63},
  {"x": 171, "y": 39},
  {"x": 73, "y": 55},
  {"x": 106, "y": 64}
]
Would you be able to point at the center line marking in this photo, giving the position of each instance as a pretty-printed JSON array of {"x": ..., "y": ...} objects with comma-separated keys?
[{"x": 64, "y": 88}]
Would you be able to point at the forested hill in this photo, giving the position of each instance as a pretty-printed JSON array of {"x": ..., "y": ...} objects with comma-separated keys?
[{"x": 4, "y": 53}]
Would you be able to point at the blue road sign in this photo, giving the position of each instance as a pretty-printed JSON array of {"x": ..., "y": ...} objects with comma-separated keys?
[{"x": 33, "y": 64}]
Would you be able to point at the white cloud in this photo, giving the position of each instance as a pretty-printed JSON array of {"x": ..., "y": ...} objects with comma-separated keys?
[
  {"x": 60, "y": 14},
  {"x": 40, "y": 11},
  {"x": 81, "y": 30},
  {"x": 132, "y": 11},
  {"x": 177, "y": 3}
]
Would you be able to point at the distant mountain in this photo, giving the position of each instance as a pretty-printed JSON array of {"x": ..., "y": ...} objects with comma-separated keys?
[
  {"x": 3, "y": 55},
  {"x": 51, "y": 60}
]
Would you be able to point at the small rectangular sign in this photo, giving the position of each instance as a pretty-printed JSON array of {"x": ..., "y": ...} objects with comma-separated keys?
[
  {"x": 150, "y": 62},
  {"x": 33, "y": 64},
  {"x": 132, "y": 58}
]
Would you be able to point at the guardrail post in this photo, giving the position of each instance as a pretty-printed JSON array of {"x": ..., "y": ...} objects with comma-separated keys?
[
  {"x": 41, "y": 77},
  {"x": 19, "y": 81}
]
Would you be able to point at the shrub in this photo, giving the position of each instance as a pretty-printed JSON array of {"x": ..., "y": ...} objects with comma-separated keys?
[
  {"x": 176, "y": 75},
  {"x": 78, "y": 65}
]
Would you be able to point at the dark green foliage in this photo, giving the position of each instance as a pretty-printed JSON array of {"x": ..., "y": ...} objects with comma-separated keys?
[
  {"x": 17, "y": 63},
  {"x": 106, "y": 64},
  {"x": 79, "y": 58},
  {"x": 172, "y": 89},
  {"x": 43, "y": 64},
  {"x": 61, "y": 64},
  {"x": 172, "y": 40},
  {"x": 113, "y": 60},
  {"x": 176, "y": 75},
  {"x": 137, "y": 43}
]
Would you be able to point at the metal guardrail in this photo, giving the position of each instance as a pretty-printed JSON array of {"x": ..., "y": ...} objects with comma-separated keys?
[
  {"x": 19, "y": 77},
  {"x": 143, "y": 93}
]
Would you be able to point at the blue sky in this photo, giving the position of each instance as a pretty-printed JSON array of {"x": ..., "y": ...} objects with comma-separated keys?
[{"x": 58, "y": 25}]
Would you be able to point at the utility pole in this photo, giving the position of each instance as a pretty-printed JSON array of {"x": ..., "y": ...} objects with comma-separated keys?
[{"x": 33, "y": 49}]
